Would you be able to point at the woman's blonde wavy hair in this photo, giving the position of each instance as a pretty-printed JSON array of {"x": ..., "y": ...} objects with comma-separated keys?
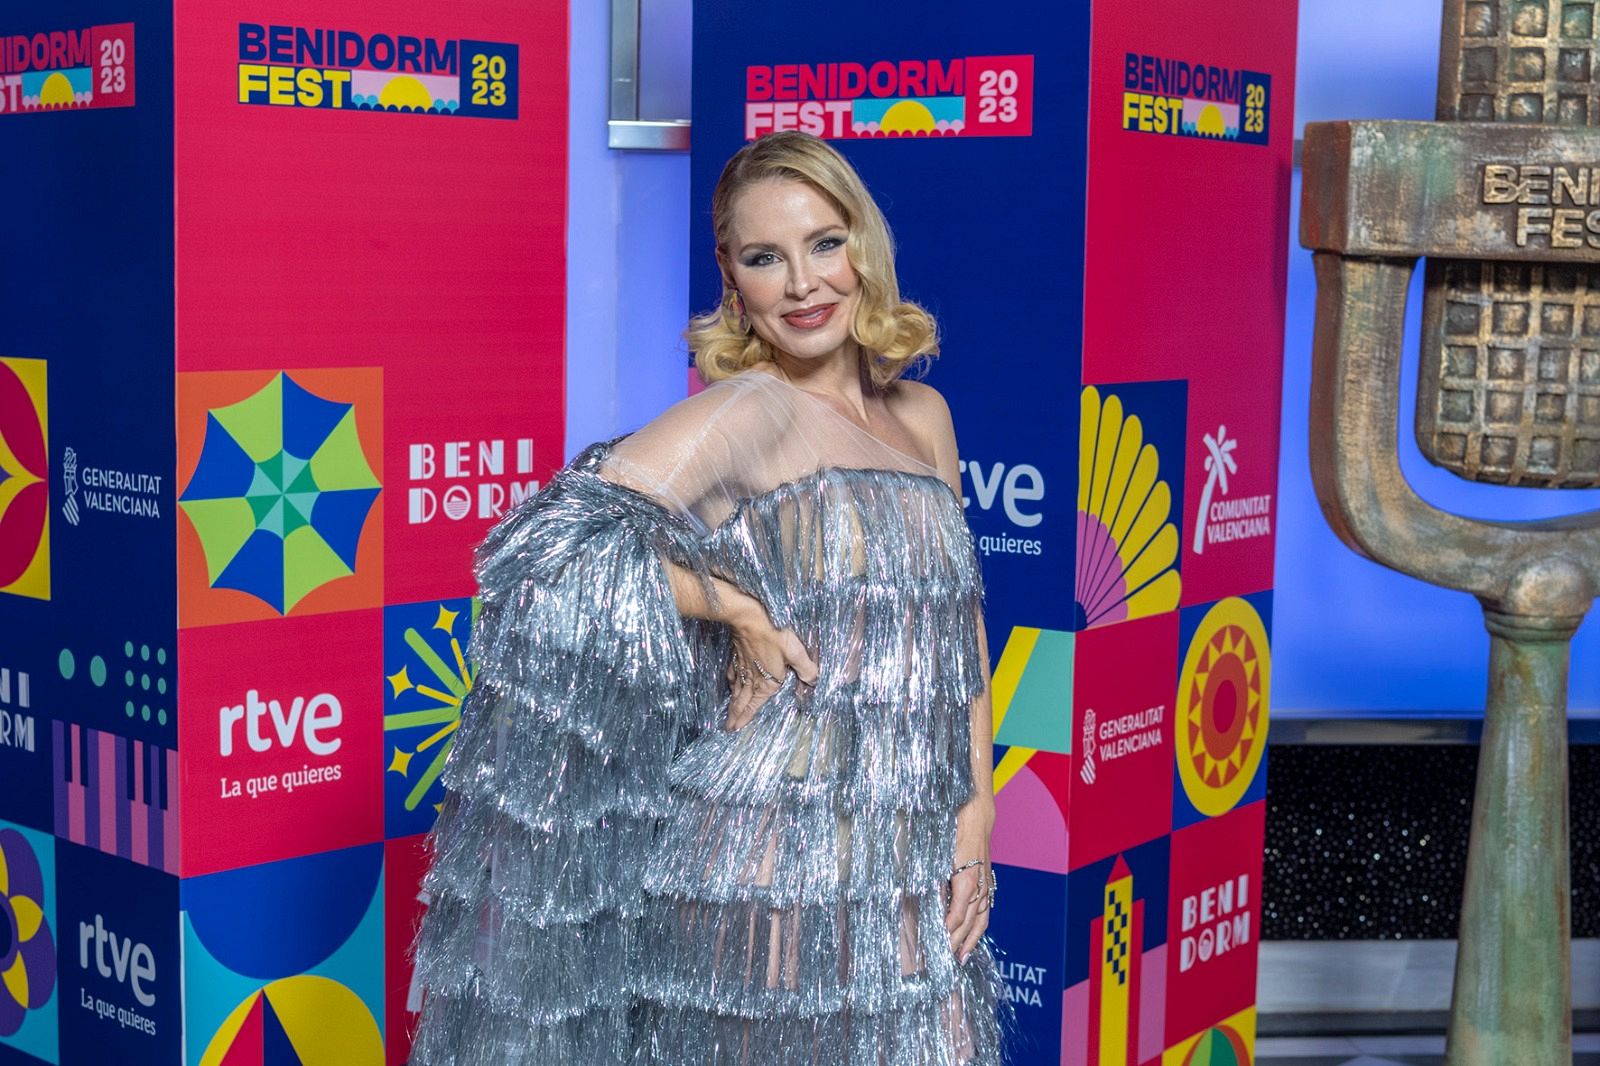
[{"x": 894, "y": 334}]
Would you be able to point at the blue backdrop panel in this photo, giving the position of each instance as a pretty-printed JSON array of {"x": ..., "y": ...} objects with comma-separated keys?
[{"x": 1003, "y": 276}]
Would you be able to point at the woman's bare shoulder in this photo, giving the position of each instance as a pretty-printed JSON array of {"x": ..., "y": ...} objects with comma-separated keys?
[
  {"x": 924, "y": 411},
  {"x": 919, "y": 404}
]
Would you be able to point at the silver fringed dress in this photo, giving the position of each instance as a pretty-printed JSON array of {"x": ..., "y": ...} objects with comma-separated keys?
[{"x": 619, "y": 879}]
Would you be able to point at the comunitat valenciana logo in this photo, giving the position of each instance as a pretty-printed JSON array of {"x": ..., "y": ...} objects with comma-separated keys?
[
  {"x": 353, "y": 70},
  {"x": 974, "y": 96},
  {"x": 68, "y": 69},
  {"x": 1184, "y": 99},
  {"x": 1221, "y": 517}
]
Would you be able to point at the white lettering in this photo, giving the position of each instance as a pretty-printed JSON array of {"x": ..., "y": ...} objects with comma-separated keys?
[
  {"x": 16, "y": 730},
  {"x": 1222, "y": 916},
  {"x": 132, "y": 964},
  {"x": 1015, "y": 492},
  {"x": 463, "y": 459},
  {"x": 307, "y": 719},
  {"x": 422, "y": 464},
  {"x": 19, "y": 695}
]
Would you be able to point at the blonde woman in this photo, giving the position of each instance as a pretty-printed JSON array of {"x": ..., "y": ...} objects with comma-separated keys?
[{"x": 722, "y": 792}]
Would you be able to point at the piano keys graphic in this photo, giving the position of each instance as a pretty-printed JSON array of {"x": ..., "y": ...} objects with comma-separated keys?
[{"x": 117, "y": 795}]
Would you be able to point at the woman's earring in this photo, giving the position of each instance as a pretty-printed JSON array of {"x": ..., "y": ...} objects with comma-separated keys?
[{"x": 738, "y": 309}]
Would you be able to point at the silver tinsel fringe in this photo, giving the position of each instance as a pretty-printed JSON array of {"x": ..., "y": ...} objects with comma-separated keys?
[{"x": 617, "y": 879}]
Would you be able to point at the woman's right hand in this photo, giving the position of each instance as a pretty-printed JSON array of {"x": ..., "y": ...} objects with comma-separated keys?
[{"x": 759, "y": 645}]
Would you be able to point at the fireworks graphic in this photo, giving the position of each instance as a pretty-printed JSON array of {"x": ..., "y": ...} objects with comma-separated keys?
[{"x": 423, "y": 698}]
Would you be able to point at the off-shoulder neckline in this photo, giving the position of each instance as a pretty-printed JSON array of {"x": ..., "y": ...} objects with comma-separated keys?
[
  {"x": 826, "y": 406},
  {"x": 745, "y": 503}
]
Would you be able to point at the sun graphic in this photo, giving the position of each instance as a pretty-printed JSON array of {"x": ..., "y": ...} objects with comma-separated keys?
[
  {"x": 1211, "y": 123},
  {"x": 403, "y": 90},
  {"x": 55, "y": 91},
  {"x": 1127, "y": 544},
  {"x": 1222, "y": 700},
  {"x": 907, "y": 116}
]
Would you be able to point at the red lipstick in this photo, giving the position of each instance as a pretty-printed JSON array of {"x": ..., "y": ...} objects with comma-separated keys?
[{"x": 811, "y": 317}]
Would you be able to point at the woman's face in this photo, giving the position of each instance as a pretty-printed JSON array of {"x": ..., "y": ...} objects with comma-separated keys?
[{"x": 787, "y": 259}]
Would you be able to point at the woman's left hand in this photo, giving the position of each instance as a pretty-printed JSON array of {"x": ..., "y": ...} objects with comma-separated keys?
[{"x": 967, "y": 915}]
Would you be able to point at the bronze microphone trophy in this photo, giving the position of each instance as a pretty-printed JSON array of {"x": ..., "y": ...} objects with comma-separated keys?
[{"x": 1501, "y": 196}]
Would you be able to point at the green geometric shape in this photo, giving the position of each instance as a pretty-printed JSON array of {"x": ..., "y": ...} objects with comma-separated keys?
[
  {"x": 223, "y": 527},
  {"x": 297, "y": 477},
  {"x": 339, "y": 462},
  {"x": 308, "y": 564},
  {"x": 297, "y": 510},
  {"x": 1214, "y": 1049},
  {"x": 67, "y": 664},
  {"x": 256, "y": 422},
  {"x": 97, "y": 671},
  {"x": 1040, "y": 713}
]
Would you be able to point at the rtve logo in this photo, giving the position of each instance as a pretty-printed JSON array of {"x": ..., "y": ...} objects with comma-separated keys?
[
  {"x": 264, "y": 722},
  {"x": 1014, "y": 485},
  {"x": 475, "y": 476},
  {"x": 132, "y": 964}
]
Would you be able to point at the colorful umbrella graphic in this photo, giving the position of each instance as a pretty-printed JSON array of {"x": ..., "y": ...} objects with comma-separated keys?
[
  {"x": 280, "y": 494},
  {"x": 27, "y": 950}
]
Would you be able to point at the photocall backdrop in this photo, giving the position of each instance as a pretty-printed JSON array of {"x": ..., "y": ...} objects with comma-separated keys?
[
  {"x": 291, "y": 288},
  {"x": 307, "y": 237},
  {"x": 1094, "y": 202}
]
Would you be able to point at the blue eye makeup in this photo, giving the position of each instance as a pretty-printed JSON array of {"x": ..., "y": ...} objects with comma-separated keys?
[{"x": 760, "y": 259}]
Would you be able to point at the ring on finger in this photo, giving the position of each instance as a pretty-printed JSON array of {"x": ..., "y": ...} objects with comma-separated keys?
[{"x": 762, "y": 670}]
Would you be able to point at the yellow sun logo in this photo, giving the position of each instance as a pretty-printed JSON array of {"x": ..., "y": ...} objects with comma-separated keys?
[
  {"x": 908, "y": 116},
  {"x": 404, "y": 91},
  {"x": 1211, "y": 123},
  {"x": 56, "y": 91},
  {"x": 1222, "y": 705}
]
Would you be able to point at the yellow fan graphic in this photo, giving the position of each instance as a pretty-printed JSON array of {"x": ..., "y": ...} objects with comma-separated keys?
[
  {"x": 1127, "y": 544},
  {"x": 1222, "y": 706}
]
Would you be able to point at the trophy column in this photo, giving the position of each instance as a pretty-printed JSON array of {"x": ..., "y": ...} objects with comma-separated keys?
[{"x": 1498, "y": 196}]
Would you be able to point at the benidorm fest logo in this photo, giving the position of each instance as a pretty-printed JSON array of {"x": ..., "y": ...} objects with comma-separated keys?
[
  {"x": 349, "y": 70},
  {"x": 1182, "y": 99},
  {"x": 60, "y": 70},
  {"x": 972, "y": 96}
]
